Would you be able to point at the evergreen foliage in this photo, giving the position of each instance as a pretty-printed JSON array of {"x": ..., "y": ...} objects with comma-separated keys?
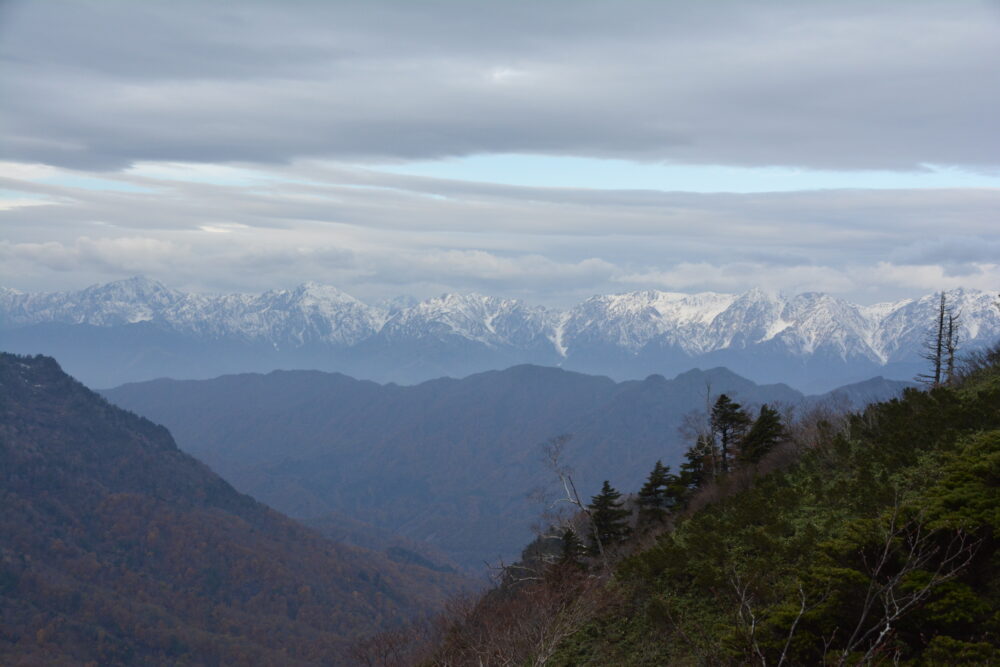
[
  {"x": 877, "y": 545},
  {"x": 871, "y": 540},
  {"x": 696, "y": 468},
  {"x": 764, "y": 435},
  {"x": 572, "y": 549},
  {"x": 729, "y": 423},
  {"x": 610, "y": 518},
  {"x": 655, "y": 496}
]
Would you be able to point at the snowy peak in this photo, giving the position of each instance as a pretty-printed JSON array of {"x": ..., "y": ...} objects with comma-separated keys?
[
  {"x": 486, "y": 319},
  {"x": 396, "y": 304},
  {"x": 321, "y": 297},
  {"x": 135, "y": 287},
  {"x": 647, "y": 324},
  {"x": 634, "y": 319},
  {"x": 802, "y": 325},
  {"x": 819, "y": 322},
  {"x": 905, "y": 325},
  {"x": 750, "y": 318},
  {"x": 309, "y": 313},
  {"x": 127, "y": 301},
  {"x": 136, "y": 299}
]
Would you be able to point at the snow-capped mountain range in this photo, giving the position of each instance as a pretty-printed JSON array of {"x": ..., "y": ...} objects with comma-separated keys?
[{"x": 810, "y": 340}]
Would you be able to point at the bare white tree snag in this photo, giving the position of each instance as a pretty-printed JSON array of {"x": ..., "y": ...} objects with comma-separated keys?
[
  {"x": 934, "y": 346},
  {"x": 553, "y": 452},
  {"x": 951, "y": 343},
  {"x": 941, "y": 346},
  {"x": 803, "y": 609},
  {"x": 905, "y": 549},
  {"x": 747, "y": 618}
]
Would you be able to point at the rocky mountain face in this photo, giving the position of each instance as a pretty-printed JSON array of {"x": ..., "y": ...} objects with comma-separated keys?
[
  {"x": 452, "y": 463},
  {"x": 138, "y": 329},
  {"x": 117, "y": 548}
]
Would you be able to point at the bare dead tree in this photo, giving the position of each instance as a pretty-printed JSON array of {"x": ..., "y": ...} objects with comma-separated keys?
[
  {"x": 571, "y": 613},
  {"x": 904, "y": 550},
  {"x": 804, "y": 608},
  {"x": 521, "y": 628},
  {"x": 818, "y": 427},
  {"x": 399, "y": 647},
  {"x": 951, "y": 344},
  {"x": 696, "y": 428},
  {"x": 747, "y": 618},
  {"x": 941, "y": 346},
  {"x": 934, "y": 346},
  {"x": 707, "y": 434},
  {"x": 513, "y": 573},
  {"x": 553, "y": 452}
]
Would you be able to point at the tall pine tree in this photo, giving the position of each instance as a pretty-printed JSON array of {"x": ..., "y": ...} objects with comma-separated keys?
[
  {"x": 767, "y": 431},
  {"x": 654, "y": 496},
  {"x": 729, "y": 423},
  {"x": 697, "y": 464},
  {"x": 610, "y": 518}
]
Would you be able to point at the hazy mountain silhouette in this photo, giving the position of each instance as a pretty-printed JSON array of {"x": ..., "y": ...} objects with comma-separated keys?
[
  {"x": 450, "y": 462},
  {"x": 139, "y": 329}
]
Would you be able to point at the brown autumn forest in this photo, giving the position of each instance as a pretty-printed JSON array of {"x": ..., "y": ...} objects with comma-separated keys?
[{"x": 117, "y": 548}]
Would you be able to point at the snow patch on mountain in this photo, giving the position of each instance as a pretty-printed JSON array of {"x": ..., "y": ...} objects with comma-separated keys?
[
  {"x": 558, "y": 335},
  {"x": 801, "y": 325},
  {"x": 489, "y": 320}
]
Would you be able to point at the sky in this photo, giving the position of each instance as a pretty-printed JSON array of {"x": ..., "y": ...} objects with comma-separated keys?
[{"x": 547, "y": 151}]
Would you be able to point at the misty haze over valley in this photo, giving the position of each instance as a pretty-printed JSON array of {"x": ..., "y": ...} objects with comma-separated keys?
[{"x": 446, "y": 334}]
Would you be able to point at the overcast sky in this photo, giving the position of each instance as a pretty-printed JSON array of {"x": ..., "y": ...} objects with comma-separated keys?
[{"x": 545, "y": 150}]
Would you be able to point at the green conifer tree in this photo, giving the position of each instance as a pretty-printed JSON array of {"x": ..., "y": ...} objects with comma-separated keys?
[
  {"x": 654, "y": 498},
  {"x": 697, "y": 465},
  {"x": 767, "y": 431},
  {"x": 610, "y": 518},
  {"x": 573, "y": 549},
  {"x": 729, "y": 423}
]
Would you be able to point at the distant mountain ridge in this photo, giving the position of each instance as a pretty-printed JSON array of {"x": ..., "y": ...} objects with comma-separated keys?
[
  {"x": 813, "y": 341},
  {"x": 449, "y": 462}
]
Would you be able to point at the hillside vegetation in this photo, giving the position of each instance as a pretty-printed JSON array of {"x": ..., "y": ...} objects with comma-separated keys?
[
  {"x": 867, "y": 540},
  {"x": 118, "y": 548}
]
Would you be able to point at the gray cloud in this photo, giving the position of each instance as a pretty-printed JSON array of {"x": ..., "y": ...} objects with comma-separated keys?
[
  {"x": 376, "y": 235},
  {"x": 951, "y": 249},
  {"x": 294, "y": 96},
  {"x": 850, "y": 85}
]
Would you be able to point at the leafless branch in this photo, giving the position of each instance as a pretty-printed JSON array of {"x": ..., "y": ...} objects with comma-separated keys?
[
  {"x": 905, "y": 549},
  {"x": 553, "y": 451}
]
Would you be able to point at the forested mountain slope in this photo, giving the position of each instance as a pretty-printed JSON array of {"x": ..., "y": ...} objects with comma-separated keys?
[
  {"x": 867, "y": 541},
  {"x": 117, "y": 548},
  {"x": 452, "y": 462}
]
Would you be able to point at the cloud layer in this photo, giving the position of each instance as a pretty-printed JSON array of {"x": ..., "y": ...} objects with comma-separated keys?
[
  {"x": 824, "y": 85},
  {"x": 245, "y": 145},
  {"x": 379, "y": 235}
]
